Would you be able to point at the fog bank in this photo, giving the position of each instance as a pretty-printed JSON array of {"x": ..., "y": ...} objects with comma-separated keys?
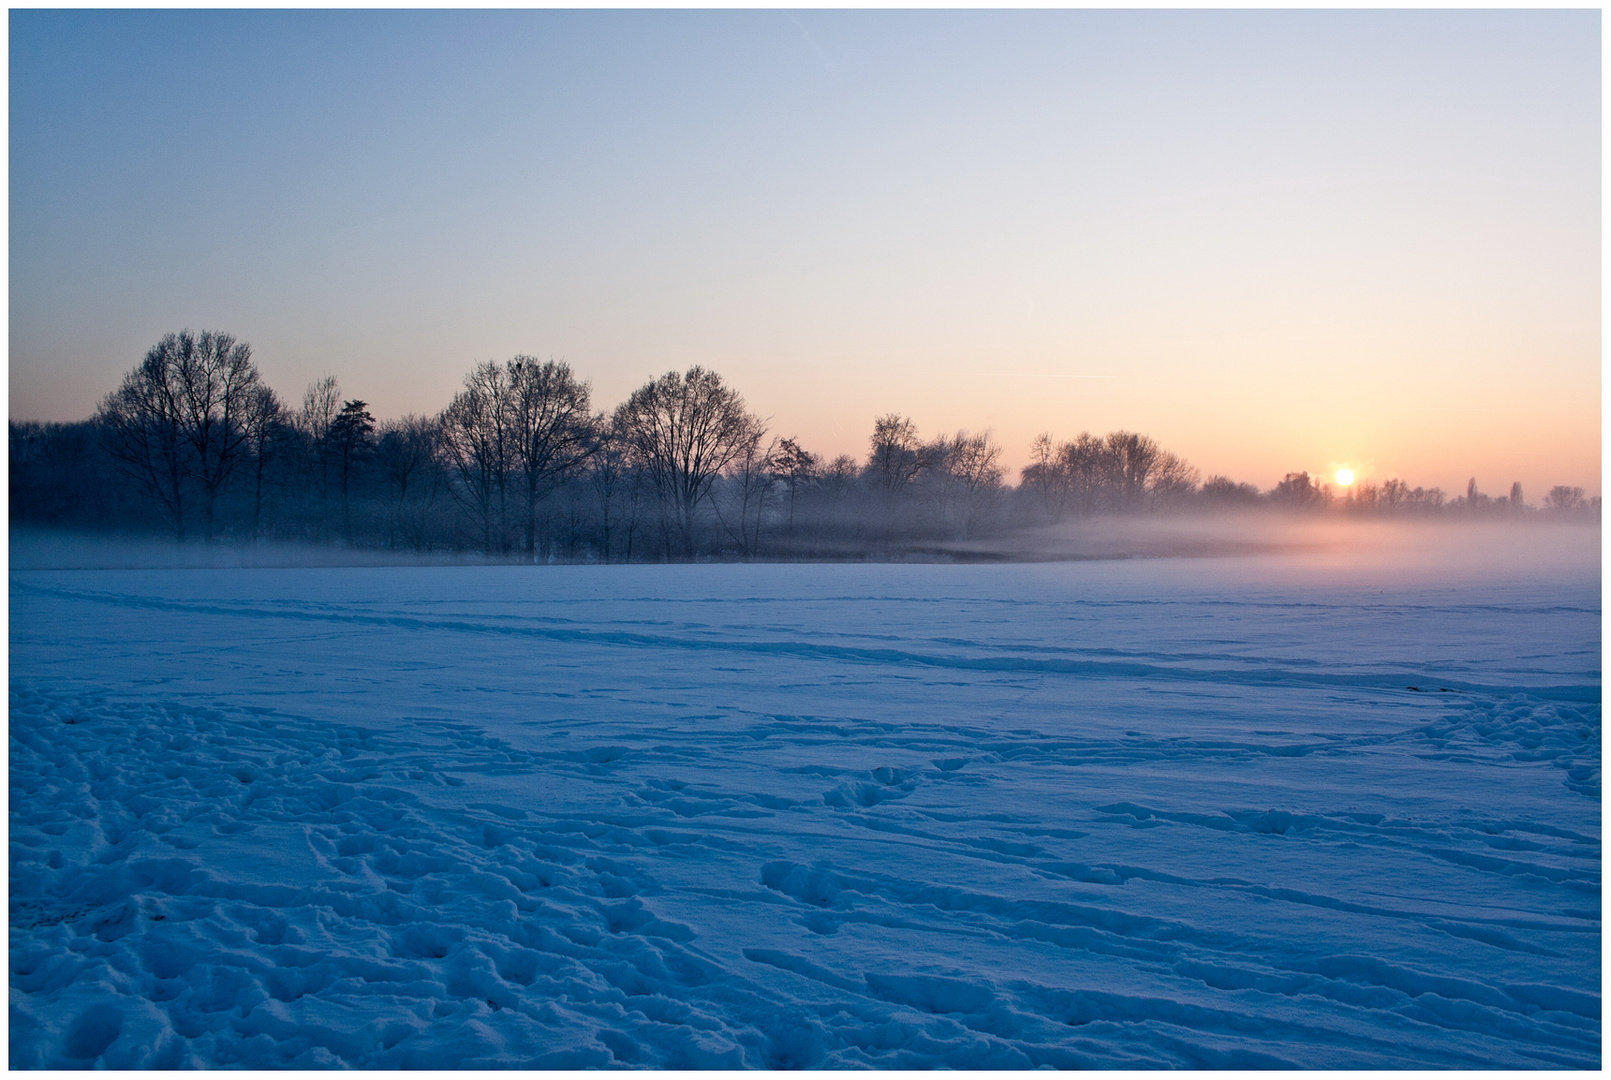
[{"x": 1261, "y": 545}]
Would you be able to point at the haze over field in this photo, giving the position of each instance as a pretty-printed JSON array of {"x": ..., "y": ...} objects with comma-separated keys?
[
  {"x": 1273, "y": 240},
  {"x": 1403, "y": 552}
]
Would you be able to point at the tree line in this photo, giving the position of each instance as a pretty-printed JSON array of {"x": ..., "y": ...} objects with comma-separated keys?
[{"x": 520, "y": 465}]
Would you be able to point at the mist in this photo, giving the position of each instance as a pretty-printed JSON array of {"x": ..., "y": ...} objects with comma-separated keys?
[
  {"x": 1334, "y": 547},
  {"x": 33, "y": 548},
  {"x": 1248, "y": 549}
]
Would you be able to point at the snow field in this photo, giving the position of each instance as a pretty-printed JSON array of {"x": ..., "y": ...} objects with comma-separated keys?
[{"x": 1112, "y": 815}]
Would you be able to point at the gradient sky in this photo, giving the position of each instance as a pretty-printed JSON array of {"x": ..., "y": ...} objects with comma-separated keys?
[{"x": 1272, "y": 240}]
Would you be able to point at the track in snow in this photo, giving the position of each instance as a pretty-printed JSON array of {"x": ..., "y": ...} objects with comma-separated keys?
[{"x": 900, "y": 817}]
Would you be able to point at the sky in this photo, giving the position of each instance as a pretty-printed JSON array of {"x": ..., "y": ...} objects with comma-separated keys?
[{"x": 1273, "y": 240}]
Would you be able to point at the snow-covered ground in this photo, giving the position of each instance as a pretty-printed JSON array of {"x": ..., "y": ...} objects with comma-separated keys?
[{"x": 1276, "y": 811}]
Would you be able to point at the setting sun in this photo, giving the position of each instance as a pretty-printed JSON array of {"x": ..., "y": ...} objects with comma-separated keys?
[{"x": 1345, "y": 477}]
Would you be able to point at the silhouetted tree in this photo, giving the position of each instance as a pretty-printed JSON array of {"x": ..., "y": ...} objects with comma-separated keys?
[
  {"x": 795, "y": 467},
  {"x": 519, "y": 448},
  {"x": 1131, "y": 460},
  {"x": 1087, "y": 465},
  {"x": 185, "y": 414},
  {"x": 1171, "y": 479},
  {"x": 321, "y": 401},
  {"x": 265, "y": 435},
  {"x": 406, "y": 457},
  {"x": 1297, "y": 491},
  {"x": 1222, "y": 490},
  {"x": 550, "y": 430},
  {"x": 749, "y": 481},
  {"x": 839, "y": 475},
  {"x": 968, "y": 476},
  {"x": 349, "y": 438},
  {"x": 1123, "y": 471},
  {"x": 895, "y": 456},
  {"x": 1565, "y": 499},
  {"x": 1046, "y": 476},
  {"x": 61, "y": 475},
  {"x": 1426, "y": 498},
  {"x": 683, "y": 429},
  {"x": 477, "y": 443},
  {"x": 617, "y": 485},
  {"x": 141, "y": 426},
  {"x": 1363, "y": 497},
  {"x": 1393, "y": 494}
]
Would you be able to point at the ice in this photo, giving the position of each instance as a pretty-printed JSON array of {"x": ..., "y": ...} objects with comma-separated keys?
[{"x": 1273, "y": 811}]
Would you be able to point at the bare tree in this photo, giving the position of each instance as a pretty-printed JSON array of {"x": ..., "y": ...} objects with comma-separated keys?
[
  {"x": 59, "y": 475},
  {"x": 1563, "y": 498},
  {"x": 185, "y": 414},
  {"x": 1225, "y": 491},
  {"x": 1171, "y": 479},
  {"x": 839, "y": 476},
  {"x": 219, "y": 391},
  {"x": 1123, "y": 471},
  {"x": 476, "y": 442},
  {"x": 265, "y": 435},
  {"x": 1086, "y": 468},
  {"x": 1394, "y": 493},
  {"x": 969, "y": 474},
  {"x": 1046, "y": 474},
  {"x": 750, "y": 480},
  {"x": 1297, "y": 491},
  {"x": 975, "y": 461},
  {"x": 795, "y": 467},
  {"x": 1363, "y": 497},
  {"x": 895, "y": 456},
  {"x": 683, "y": 430},
  {"x": 1428, "y": 498},
  {"x": 142, "y": 431},
  {"x": 406, "y": 456},
  {"x": 610, "y": 474},
  {"x": 321, "y": 401},
  {"x": 550, "y": 430},
  {"x": 1131, "y": 460}
]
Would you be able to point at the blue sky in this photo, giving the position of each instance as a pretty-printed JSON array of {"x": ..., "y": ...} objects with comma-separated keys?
[{"x": 1273, "y": 240}]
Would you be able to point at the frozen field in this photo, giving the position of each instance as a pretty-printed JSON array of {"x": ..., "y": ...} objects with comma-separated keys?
[{"x": 1276, "y": 811}]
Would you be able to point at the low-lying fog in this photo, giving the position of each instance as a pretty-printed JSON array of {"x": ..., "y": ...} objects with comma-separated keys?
[
  {"x": 1335, "y": 548},
  {"x": 1332, "y": 548}
]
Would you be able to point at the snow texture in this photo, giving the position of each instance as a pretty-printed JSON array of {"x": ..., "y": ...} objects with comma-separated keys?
[{"x": 1210, "y": 813}]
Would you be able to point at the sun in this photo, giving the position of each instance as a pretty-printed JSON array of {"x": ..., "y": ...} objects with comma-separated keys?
[{"x": 1345, "y": 477}]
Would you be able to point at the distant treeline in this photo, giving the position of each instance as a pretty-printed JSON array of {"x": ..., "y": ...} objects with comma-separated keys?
[{"x": 519, "y": 465}]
